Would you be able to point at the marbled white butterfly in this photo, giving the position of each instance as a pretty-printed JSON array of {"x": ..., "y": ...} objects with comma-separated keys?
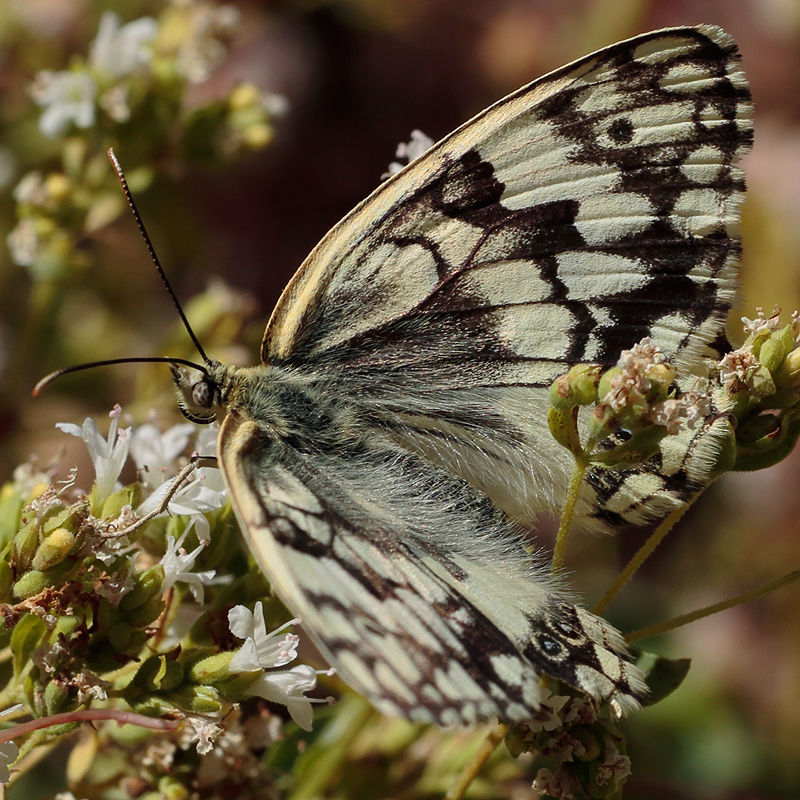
[{"x": 379, "y": 457}]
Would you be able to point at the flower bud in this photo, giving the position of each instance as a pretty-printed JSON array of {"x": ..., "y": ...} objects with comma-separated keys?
[
  {"x": 55, "y": 695},
  {"x": 563, "y": 427},
  {"x": 148, "y": 584},
  {"x": 169, "y": 788},
  {"x": 604, "y": 386},
  {"x": 588, "y": 738},
  {"x": 662, "y": 375},
  {"x": 199, "y": 699},
  {"x": 788, "y": 373},
  {"x": 145, "y": 613},
  {"x": 212, "y": 668},
  {"x": 30, "y": 584},
  {"x": 245, "y": 95},
  {"x": 26, "y": 542},
  {"x": 54, "y": 549},
  {"x": 58, "y": 186}
]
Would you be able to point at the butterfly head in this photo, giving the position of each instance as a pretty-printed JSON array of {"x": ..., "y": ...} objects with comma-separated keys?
[{"x": 201, "y": 391}]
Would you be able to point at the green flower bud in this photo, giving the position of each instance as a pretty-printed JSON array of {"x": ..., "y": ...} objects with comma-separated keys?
[
  {"x": 564, "y": 428},
  {"x": 775, "y": 349},
  {"x": 30, "y": 584},
  {"x": 577, "y": 388},
  {"x": 199, "y": 699},
  {"x": 55, "y": 695},
  {"x": 146, "y": 613},
  {"x": 120, "y": 636},
  {"x": 148, "y": 584},
  {"x": 127, "y": 496},
  {"x": 26, "y": 542},
  {"x": 236, "y": 689},
  {"x": 212, "y": 668},
  {"x": 245, "y": 95},
  {"x": 54, "y": 549},
  {"x": 662, "y": 375},
  {"x": 561, "y": 393},
  {"x": 788, "y": 373},
  {"x": 170, "y": 789},
  {"x": 604, "y": 386}
]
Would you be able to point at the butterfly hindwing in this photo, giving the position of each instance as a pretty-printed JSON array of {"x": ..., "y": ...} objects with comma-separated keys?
[
  {"x": 406, "y": 603},
  {"x": 590, "y": 209}
]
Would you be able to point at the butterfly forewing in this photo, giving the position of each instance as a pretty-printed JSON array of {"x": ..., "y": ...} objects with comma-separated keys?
[{"x": 595, "y": 207}]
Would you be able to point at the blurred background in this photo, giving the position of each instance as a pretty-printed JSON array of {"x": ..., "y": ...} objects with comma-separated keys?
[{"x": 233, "y": 210}]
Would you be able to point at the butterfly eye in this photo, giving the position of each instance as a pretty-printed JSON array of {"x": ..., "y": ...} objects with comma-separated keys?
[{"x": 203, "y": 394}]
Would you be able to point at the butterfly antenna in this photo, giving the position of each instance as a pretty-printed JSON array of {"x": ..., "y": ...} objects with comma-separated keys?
[
  {"x": 150, "y": 249},
  {"x": 54, "y": 376}
]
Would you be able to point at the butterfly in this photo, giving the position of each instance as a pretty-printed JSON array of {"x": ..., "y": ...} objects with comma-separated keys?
[{"x": 381, "y": 458}]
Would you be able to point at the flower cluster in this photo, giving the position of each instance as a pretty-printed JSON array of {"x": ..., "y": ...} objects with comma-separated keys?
[
  {"x": 637, "y": 396},
  {"x": 759, "y": 383},
  {"x": 130, "y": 92},
  {"x": 96, "y": 587},
  {"x": 585, "y": 742}
]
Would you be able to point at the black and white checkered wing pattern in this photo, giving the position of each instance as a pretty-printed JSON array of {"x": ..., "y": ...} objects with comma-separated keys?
[
  {"x": 590, "y": 209},
  {"x": 412, "y": 613}
]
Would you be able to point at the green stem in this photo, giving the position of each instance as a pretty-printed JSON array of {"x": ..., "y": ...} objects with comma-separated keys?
[
  {"x": 724, "y": 605},
  {"x": 573, "y": 492},
  {"x": 474, "y": 765},
  {"x": 633, "y": 565}
]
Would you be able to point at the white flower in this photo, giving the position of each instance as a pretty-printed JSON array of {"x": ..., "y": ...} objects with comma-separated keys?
[
  {"x": 287, "y": 688},
  {"x": 90, "y": 686},
  {"x": 115, "y": 103},
  {"x": 204, "y": 494},
  {"x": 771, "y": 323},
  {"x": 201, "y": 49},
  {"x": 29, "y": 479},
  {"x": 615, "y": 767},
  {"x": 206, "y": 442},
  {"x": 261, "y": 650},
  {"x": 410, "y": 150},
  {"x": 156, "y": 451},
  {"x": 108, "y": 455},
  {"x": 740, "y": 370},
  {"x": 31, "y": 189},
  {"x": 119, "y": 51},
  {"x": 66, "y": 97},
  {"x": 118, "y": 585},
  {"x": 554, "y": 784},
  {"x": 23, "y": 242},
  {"x": 178, "y": 566},
  {"x": 548, "y": 718},
  {"x": 203, "y": 730}
]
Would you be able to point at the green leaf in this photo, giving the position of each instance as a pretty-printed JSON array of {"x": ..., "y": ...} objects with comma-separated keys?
[
  {"x": 663, "y": 675},
  {"x": 28, "y": 634}
]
